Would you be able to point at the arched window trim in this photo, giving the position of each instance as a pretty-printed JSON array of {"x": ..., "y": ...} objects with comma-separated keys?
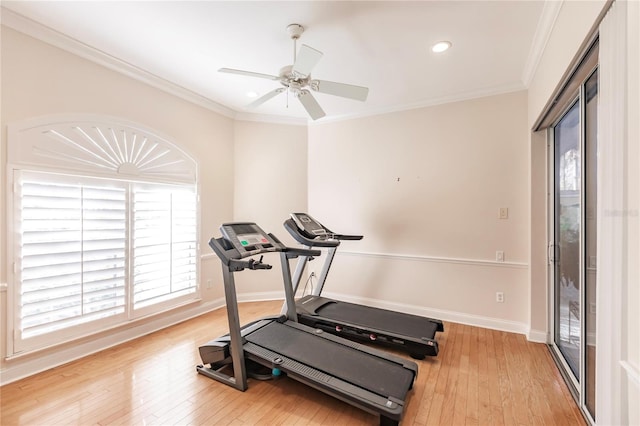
[{"x": 85, "y": 151}]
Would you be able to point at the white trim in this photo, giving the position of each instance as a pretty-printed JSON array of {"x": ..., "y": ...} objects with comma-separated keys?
[
  {"x": 422, "y": 258},
  {"x": 633, "y": 374},
  {"x": 98, "y": 144},
  {"x": 538, "y": 336},
  {"x": 458, "y": 97},
  {"x": 261, "y": 296},
  {"x": 444, "y": 315},
  {"x": 272, "y": 119},
  {"x": 48, "y": 35},
  {"x": 547, "y": 21},
  {"x": 611, "y": 223}
]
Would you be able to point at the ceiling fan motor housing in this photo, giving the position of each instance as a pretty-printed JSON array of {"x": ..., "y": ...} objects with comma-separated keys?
[
  {"x": 295, "y": 31},
  {"x": 289, "y": 78}
]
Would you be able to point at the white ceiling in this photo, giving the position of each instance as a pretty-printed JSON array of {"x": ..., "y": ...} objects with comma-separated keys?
[{"x": 384, "y": 45}]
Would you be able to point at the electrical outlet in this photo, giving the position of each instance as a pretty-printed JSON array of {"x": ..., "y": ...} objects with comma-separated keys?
[
  {"x": 209, "y": 284},
  {"x": 499, "y": 297},
  {"x": 504, "y": 213},
  {"x": 499, "y": 256},
  {"x": 313, "y": 274}
]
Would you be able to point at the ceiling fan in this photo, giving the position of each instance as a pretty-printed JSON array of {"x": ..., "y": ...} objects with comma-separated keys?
[{"x": 297, "y": 80}]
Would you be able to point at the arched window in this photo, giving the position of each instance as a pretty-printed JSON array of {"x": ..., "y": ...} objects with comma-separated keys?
[{"x": 102, "y": 227}]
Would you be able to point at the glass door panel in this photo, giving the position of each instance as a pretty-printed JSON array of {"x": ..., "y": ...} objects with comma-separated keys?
[
  {"x": 574, "y": 238},
  {"x": 567, "y": 239}
]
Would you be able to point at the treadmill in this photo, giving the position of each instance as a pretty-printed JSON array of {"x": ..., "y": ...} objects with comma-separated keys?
[
  {"x": 413, "y": 334},
  {"x": 361, "y": 376}
]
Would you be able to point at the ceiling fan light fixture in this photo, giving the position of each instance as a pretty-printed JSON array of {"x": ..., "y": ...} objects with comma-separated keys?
[{"x": 441, "y": 46}]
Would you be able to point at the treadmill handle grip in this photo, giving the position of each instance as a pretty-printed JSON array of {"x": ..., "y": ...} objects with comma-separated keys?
[
  {"x": 295, "y": 251},
  {"x": 239, "y": 265},
  {"x": 258, "y": 264}
]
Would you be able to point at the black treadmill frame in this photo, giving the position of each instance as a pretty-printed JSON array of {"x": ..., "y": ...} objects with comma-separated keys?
[
  {"x": 235, "y": 347},
  {"x": 308, "y": 307}
]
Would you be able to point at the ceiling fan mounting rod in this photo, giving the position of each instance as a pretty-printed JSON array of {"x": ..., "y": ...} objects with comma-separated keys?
[{"x": 295, "y": 31}]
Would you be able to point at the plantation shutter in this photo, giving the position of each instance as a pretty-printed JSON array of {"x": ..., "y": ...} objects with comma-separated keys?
[
  {"x": 71, "y": 259},
  {"x": 164, "y": 243}
]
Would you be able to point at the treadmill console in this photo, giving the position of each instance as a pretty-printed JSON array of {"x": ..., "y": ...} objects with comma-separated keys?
[
  {"x": 311, "y": 229},
  {"x": 249, "y": 239},
  {"x": 309, "y": 226}
]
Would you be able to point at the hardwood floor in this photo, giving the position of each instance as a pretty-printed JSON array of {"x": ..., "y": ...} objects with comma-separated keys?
[{"x": 480, "y": 377}]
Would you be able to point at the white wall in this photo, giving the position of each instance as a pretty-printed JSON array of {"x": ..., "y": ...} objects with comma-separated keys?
[
  {"x": 270, "y": 178},
  {"x": 38, "y": 79},
  {"x": 425, "y": 187}
]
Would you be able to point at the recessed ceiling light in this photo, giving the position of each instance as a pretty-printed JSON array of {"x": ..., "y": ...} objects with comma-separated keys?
[
  {"x": 252, "y": 94},
  {"x": 441, "y": 46}
]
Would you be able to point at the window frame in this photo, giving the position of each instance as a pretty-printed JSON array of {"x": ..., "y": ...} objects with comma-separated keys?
[{"x": 40, "y": 145}]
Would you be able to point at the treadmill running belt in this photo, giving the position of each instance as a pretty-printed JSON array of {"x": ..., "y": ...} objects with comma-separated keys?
[
  {"x": 377, "y": 375},
  {"x": 381, "y": 319}
]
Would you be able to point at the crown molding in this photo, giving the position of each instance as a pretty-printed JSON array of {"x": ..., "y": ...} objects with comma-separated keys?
[
  {"x": 458, "y": 97},
  {"x": 50, "y": 36},
  {"x": 546, "y": 23},
  {"x": 273, "y": 119}
]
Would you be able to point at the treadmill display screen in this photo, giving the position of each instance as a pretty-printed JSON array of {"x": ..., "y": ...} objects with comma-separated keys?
[
  {"x": 252, "y": 239},
  {"x": 248, "y": 238}
]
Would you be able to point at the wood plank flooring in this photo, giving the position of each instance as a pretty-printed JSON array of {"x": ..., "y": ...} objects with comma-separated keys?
[{"x": 480, "y": 377}]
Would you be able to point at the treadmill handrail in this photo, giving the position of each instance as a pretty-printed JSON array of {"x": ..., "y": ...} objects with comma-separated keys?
[
  {"x": 224, "y": 250},
  {"x": 293, "y": 252}
]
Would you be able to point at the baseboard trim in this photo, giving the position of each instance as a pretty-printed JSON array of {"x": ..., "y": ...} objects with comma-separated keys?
[
  {"x": 538, "y": 336},
  {"x": 260, "y": 296}
]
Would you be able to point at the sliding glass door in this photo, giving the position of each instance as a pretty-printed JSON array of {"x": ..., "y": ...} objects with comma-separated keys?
[
  {"x": 573, "y": 239},
  {"x": 567, "y": 227}
]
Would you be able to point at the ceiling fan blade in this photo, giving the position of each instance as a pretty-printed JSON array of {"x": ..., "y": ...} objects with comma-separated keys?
[
  {"x": 307, "y": 58},
  {"x": 350, "y": 91},
  {"x": 266, "y": 97},
  {"x": 249, "y": 73},
  {"x": 311, "y": 105}
]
